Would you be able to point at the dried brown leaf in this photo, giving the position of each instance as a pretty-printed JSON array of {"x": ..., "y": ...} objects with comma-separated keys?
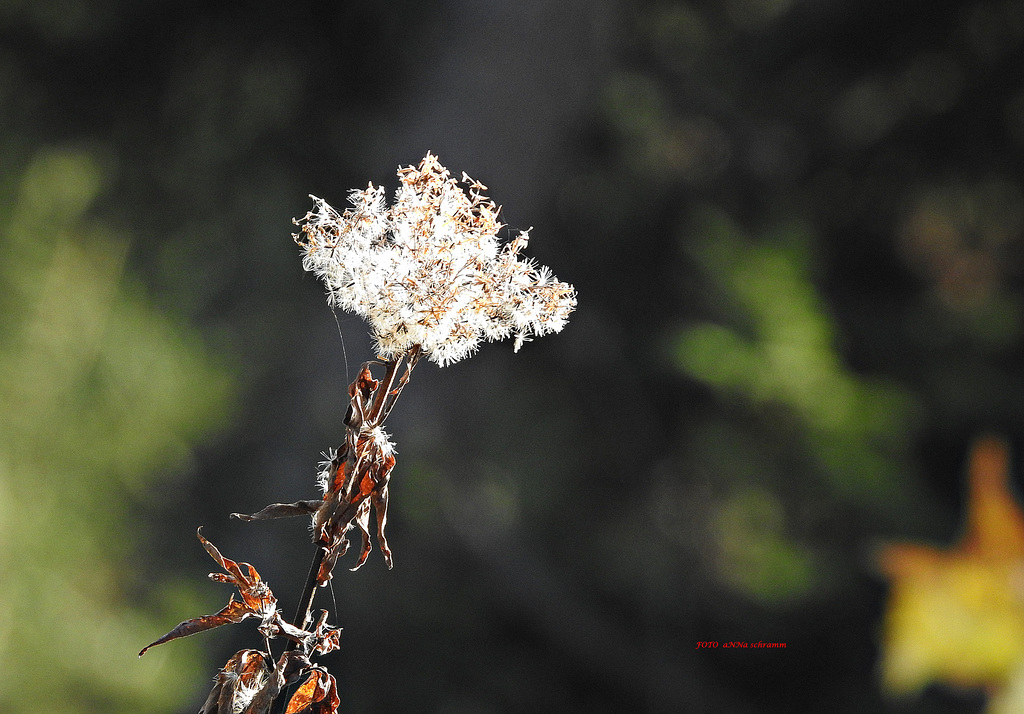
[
  {"x": 235, "y": 611},
  {"x": 281, "y": 510},
  {"x": 254, "y": 592},
  {"x": 257, "y": 600},
  {"x": 326, "y": 639},
  {"x": 358, "y": 482},
  {"x": 317, "y": 695},
  {"x": 237, "y": 683},
  {"x": 247, "y": 685}
]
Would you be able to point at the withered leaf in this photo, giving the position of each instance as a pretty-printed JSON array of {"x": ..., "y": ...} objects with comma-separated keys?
[
  {"x": 355, "y": 479},
  {"x": 379, "y": 498},
  {"x": 281, "y": 510},
  {"x": 246, "y": 685},
  {"x": 321, "y": 640},
  {"x": 317, "y": 695},
  {"x": 235, "y": 611},
  {"x": 254, "y": 592},
  {"x": 360, "y": 485},
  {"x": 331, "y": 554},
  {"x": 243, "y": 675},
  {"x": 326, "y": 639},
  {"x": 257, "y": 601}
]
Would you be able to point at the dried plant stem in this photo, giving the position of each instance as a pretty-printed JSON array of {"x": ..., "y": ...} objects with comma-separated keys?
[
  {"x": 431, "y": 277},
  {"x": 280, "y": 704},
  {"x": 384, "y": 400}
]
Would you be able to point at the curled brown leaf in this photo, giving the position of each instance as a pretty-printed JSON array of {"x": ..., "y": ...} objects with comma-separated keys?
[
  {"x": 317, "y": 695},
  {"x": 358, "y": 476},
  {"x": 257, "y": 601},
  {"x": 254, "y": 592},
  {"x": 237, "y": 682},
  {"x": 248, "y": 685}
]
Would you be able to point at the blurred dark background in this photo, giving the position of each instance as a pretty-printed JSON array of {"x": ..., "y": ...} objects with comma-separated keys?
[{"x": 795, "y": 227}]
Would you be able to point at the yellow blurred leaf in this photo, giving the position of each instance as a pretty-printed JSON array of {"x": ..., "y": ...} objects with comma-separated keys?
[{"x": 956, "y": 615}]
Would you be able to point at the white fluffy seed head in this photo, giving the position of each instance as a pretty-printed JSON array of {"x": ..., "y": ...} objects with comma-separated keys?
[{"x": 429, "y": 270}]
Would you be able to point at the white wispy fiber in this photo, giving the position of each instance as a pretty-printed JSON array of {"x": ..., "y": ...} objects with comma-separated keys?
[{"x": 429, "y": 270}]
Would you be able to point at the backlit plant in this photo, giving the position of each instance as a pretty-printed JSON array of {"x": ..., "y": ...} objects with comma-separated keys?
[{"x": 432, "y": 279}]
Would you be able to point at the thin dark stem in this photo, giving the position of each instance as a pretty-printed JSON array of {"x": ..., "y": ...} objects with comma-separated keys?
[
  {"x": 308, "y": 592},
  {"x": 280, "y": 704}
]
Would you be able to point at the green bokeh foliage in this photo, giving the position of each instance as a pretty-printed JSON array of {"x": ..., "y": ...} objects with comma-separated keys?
[{"x": 100, "y": 395}]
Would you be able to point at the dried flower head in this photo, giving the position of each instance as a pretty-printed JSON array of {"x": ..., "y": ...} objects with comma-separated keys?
[{"x": 429, "y": 270}]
